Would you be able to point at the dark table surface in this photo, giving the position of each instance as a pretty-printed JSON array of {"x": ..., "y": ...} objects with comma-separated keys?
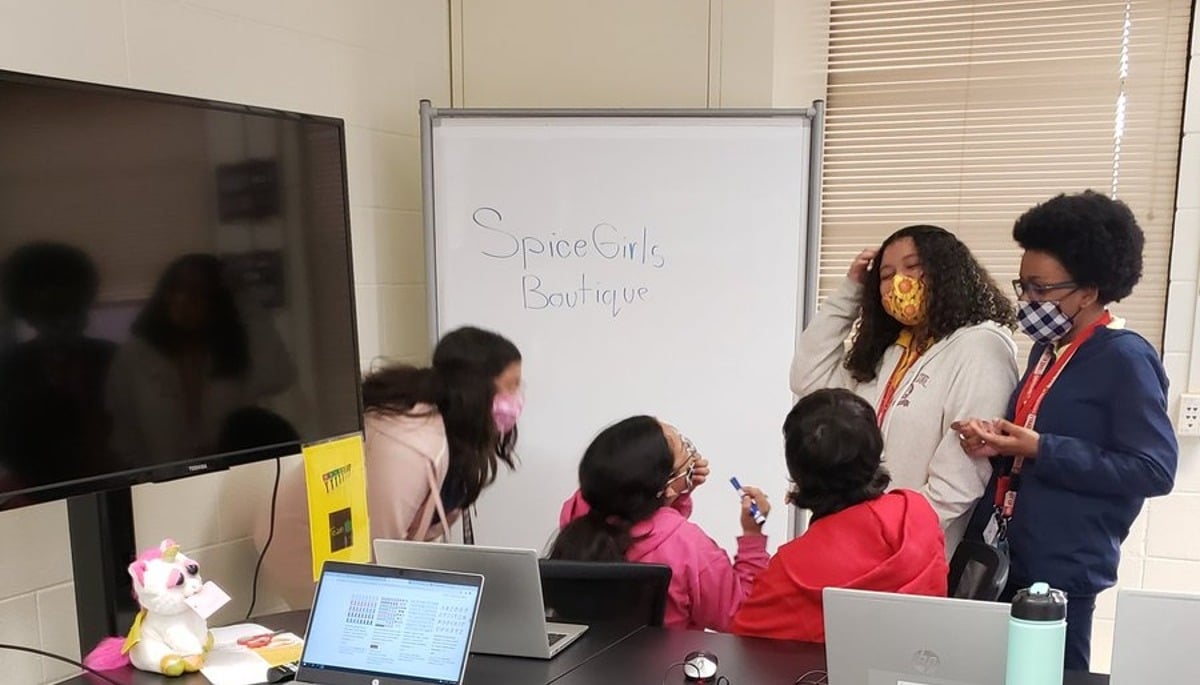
[
  {"x": 606, "y": 654},
  {"x": 644, "y": 658},
  {"x": 481, "y": 668}
]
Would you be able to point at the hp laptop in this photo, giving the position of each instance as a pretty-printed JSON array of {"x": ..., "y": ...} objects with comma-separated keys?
[
  {"x": 380, "y": 625},
  {"x": 1154, "y": 639},
  {"x": 875, "y": 638},
  {"x": 512, "y": 620}
]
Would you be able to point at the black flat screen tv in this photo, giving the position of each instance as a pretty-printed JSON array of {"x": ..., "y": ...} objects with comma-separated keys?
[{"x": 176, "y": 292}]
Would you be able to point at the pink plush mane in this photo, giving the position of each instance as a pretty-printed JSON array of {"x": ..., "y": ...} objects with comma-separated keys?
[{"x": 138, "y": 567}]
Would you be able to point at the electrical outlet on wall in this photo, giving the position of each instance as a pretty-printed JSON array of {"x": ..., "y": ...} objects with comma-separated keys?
[{"x": 1188, "y": 423}]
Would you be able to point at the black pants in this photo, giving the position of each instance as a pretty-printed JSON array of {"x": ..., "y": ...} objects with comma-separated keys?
[{"x": 1079, "y": 626}]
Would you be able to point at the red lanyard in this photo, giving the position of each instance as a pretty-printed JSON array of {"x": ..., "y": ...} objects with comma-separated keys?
[{"x": 1036, "y": 387}]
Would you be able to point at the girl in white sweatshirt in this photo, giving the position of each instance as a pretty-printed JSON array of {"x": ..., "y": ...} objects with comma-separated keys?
[{"x": 932, "y": 346}]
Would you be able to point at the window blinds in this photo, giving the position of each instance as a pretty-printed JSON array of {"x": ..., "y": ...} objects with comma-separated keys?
[{"x": 965, "y": 114}]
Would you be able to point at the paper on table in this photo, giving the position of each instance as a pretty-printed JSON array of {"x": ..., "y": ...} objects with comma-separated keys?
[
  {"x": 232, "y": 664},
  {"x": 284, "y": 648}
]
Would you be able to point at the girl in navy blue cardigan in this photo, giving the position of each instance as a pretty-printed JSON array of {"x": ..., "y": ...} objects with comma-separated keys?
[{"x": 1087, "y": 437}]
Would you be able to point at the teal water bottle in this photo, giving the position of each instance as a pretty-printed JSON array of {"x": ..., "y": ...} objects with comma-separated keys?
[{"x": 1037, "y": 636}]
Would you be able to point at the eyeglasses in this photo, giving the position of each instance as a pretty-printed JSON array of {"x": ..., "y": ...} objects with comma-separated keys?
[
  {"x": 688, "y": 448},
  {"x": 1038, "y": 290},
  {"x": 688, "y": 470}
]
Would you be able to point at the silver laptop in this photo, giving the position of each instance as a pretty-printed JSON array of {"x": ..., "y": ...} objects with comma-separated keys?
[
  {"x": 380, "y": 625},
  {"x": 512, "y": 619},
  {"x": 1154, "y": 638},
  {"x": 875, "y": 638}
]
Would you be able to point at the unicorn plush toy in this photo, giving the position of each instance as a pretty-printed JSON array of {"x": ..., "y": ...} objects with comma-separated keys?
[{"x": 167, "y": 636}]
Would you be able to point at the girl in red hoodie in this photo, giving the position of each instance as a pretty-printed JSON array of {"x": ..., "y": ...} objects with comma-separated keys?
[
  {"x": 633, "y": 504},
  {"x": 859, "y": 538}
]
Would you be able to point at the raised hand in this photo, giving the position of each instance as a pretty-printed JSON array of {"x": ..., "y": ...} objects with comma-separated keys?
[
  {"x": 752, "y": 494},
  {"x": 858, "y": 267}
]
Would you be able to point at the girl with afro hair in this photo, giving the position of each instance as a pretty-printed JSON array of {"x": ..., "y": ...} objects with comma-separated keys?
[{"x": 1086, "y": 437}]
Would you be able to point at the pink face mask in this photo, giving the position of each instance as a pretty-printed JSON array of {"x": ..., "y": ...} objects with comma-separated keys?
[{"x": 506, "y": 409}]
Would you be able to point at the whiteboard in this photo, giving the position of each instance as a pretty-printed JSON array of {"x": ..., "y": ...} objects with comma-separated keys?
[{"x": 649, "y": 264}]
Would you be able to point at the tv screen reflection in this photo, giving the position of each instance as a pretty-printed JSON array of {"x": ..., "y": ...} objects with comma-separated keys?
[{"x": 175, "y": 284}]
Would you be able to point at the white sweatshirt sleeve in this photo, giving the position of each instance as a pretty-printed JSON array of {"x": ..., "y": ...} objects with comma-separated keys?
[
  {"x": 984, "y": 379},
  {"x": 820, "y": 349}
]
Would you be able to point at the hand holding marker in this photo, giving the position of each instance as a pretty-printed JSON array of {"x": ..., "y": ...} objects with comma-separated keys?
[{"x": 759, "y": 517}]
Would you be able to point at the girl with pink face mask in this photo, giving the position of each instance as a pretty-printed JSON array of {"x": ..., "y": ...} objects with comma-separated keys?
[
  {"x": 435, "y": 438},
  {"x": 930, "y": 344}
]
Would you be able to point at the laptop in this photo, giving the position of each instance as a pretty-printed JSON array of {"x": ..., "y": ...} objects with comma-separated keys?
[
  {"x": 1154, "y": 638},
  {"x": 380, "y": 625},
  {"x": 876, "y": 638},
  {"x": 512, "y": 620}
]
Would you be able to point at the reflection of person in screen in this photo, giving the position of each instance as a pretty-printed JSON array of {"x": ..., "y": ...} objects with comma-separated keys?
[
  {"x": 196, "y": 354},
  {"x": 52, "y": 420}
]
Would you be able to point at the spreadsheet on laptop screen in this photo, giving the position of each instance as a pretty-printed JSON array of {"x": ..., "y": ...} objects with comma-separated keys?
[{"x": 395, "y": 627}]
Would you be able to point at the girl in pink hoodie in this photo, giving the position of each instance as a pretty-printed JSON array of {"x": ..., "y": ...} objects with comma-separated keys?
[{"x": 633, "y": 504}]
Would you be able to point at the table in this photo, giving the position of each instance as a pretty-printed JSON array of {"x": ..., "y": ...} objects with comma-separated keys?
[
  {"x": 481, "y": 668},
  {"x": 643, "y": 659},
  {"x": 607, "y": 654}
]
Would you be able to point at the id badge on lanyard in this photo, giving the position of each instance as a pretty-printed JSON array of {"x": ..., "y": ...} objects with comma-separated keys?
[
  {"x": 1030, "y": 399},
  {"x": 1036, "y": 387}
]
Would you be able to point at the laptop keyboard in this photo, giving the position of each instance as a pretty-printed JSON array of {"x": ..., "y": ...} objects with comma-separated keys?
[{"x": 555, "y": 638}]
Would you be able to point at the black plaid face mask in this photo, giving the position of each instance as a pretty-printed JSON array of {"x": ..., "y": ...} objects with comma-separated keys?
[{"x": 1045, "y": 322}]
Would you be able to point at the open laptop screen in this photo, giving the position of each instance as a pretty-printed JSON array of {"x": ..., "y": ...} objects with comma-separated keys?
[{"x": 412, "y": 626}]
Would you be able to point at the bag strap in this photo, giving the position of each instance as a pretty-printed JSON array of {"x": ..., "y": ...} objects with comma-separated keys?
[
  {"x": 468, "y": 527},
  {"x": 432, "y": 503}
]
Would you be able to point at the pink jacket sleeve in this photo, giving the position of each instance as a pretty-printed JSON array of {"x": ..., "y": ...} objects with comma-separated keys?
[{"x": 721, "y": 587}]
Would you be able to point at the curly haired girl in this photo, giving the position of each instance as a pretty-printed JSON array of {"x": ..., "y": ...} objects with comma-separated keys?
[{"x": 933, "y": 345}]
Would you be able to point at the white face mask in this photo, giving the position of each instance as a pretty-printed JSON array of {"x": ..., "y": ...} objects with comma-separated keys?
[{"x": 1045, "y": 322}]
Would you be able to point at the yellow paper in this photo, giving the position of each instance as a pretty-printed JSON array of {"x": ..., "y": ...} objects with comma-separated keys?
[
  {"x": 284, "y": 648},
  {"x": 337, "y": 501}
]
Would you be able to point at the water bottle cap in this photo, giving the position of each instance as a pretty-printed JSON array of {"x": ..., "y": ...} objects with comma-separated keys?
[{"x": 1040, "y": 602}]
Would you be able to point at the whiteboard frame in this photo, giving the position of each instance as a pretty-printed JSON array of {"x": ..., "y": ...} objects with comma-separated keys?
[{"x": 806, "y": 290}]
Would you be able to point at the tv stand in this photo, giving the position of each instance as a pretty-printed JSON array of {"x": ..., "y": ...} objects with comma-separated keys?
[{"x": 102, "y": 547}]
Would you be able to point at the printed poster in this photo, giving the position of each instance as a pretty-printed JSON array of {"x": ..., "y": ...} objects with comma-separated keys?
[{"x": 336, "y": 481}]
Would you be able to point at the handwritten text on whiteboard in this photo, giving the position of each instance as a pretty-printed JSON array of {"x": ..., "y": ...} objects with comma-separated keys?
[{"x": 600, "y": 245}]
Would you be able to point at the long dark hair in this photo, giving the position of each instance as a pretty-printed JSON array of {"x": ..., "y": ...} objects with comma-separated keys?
[
  {"x": 959, "y": 293},
  {"x": 462, "y": 385},
  {"x": 834, "y": 452},
  {"x": 621, "y": 477},
  {"x": 224, "y": 334}
]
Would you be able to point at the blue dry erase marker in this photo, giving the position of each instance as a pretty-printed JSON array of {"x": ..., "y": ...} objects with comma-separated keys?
[{"x": 754, "y": 512}]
